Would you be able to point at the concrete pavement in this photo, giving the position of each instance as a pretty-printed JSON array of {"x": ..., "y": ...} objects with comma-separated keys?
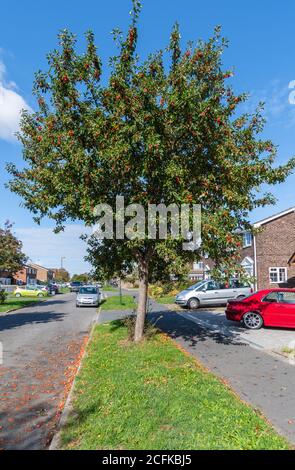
[{"x": 42, "y": 345}]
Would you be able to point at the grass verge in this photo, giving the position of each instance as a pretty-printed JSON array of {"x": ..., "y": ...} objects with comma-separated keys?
[
  {"x": 13, "y": 303},
  {"x": 153, "y": 396},
  {"x": 167, "y": 299},
  {"x": 109, "y": 289},
  {"x": 113, "y": 303}
]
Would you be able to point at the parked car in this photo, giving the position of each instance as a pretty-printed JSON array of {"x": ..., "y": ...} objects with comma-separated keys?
[
  {"x": 211, "y": 292},
  {"x": 29, "y": 291},
  {"x": 75, "y": 286},
  {"x": 88, "y": 295},
  {"x": 53, "y": 288},
  {"x": 271, "y": 307}
]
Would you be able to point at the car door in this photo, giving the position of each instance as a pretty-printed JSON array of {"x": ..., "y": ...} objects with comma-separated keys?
[
  {"x": 225, "y": 292},
  {"x": 25, "y": 292},
  {"x": 31, "y": 291},
  {"x": 279, "y": 309},
  {"x": 209, "y": 293}
]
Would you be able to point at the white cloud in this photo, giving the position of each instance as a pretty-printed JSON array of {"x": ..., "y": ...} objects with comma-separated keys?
[
  {"x": 277, "y": 109},
  {"x": 11, "y": 104},
  {"x": 45, "y": 247}
]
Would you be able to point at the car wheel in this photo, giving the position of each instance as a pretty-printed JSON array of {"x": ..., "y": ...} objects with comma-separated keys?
[
  {"x": 240, "y": 297},
  {"x": 193, "y": 303},
  {"x": 17, "y": 295},
  {"x": 40, "y": 295},
  {"x": 252, "y": 320},
  {"x": 77, "y": 305}
]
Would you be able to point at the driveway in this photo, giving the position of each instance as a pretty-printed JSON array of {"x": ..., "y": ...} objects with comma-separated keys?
[
  {"x": 42, "y": 345},
  {"x": 267, "y": 339}
]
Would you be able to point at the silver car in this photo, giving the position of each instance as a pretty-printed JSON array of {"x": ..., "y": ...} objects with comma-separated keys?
[
  {"x": 211, "y": 292},
  {"x": 88, "y": 296}
]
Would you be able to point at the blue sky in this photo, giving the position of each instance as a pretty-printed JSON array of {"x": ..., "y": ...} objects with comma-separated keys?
[{"x": 261, "y": 36}]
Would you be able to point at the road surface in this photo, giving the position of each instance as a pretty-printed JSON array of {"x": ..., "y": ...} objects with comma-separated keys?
[{"x": 41, "y": 345}]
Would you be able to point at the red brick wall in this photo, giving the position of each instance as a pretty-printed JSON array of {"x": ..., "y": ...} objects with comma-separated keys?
[
  {"x": 274, "y": 247},
  {"x": 21, "y": 276}
]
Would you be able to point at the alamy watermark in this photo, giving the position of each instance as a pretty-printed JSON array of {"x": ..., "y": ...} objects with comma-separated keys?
[
  {"x": 156, "y": 222},
  {"x": 292, "y": 93}
]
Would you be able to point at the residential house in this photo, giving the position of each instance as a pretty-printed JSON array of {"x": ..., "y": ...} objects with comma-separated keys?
[
  {"x": 268, "y": 255},
  {"x": 200, "y": 269},
  {"x": 5, "y": 278},
  {"x": 26, "y": 275},
  {"x": 44, "y": 275}
]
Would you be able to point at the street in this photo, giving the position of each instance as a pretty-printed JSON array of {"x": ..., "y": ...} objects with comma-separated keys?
[{"x": 42, "y": 345}]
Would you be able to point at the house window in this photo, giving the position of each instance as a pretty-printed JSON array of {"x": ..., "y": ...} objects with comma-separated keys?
[
  {"x": 198, "y": 265},
  {"x": 277, "y": 275},
  {"x": 248, "y": 266},
  {"x": 247, "y": 239}
]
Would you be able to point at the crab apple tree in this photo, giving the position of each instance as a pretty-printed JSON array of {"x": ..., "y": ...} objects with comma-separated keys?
[{"x": 163, "y": 130}]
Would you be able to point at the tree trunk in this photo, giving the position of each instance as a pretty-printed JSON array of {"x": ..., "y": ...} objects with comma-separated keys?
[{"x": 142, "y": 299}]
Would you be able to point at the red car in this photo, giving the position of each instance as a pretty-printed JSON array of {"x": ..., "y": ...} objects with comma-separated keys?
[{"x": 272, "y": 307}]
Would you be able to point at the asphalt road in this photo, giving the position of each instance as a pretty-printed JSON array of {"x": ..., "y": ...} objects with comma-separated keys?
[{"x": 41, "y": 349}]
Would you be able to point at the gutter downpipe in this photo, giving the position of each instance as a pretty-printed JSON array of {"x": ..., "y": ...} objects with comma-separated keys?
[{"x": 255, "y": 262}]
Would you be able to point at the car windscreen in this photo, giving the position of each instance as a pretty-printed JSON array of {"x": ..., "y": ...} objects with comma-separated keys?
[
  {"x": 195, "y": 286},
  {"x": 88, "y": 290}
]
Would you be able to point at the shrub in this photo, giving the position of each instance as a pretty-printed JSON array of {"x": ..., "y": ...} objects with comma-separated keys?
[
  {"x": 3, "y": 296},
  {"x": 155, "y": 291}
]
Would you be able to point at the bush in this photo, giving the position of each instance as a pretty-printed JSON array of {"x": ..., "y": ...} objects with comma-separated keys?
[
  {"x": 170, "y": 288},
  {"x": 155, "y": 291},
  {"x": 3, "y": 296}
]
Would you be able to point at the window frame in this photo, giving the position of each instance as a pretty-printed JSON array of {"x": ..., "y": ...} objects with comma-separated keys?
[
  {"x": 277, "y": 268},
  {"x": 247, "y": 244}
]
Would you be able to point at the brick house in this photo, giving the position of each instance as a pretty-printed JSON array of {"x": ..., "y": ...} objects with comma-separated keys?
[
  {"x": 43, "y": 274},
  {"x": 26, "y": 275},
  {"x": 5, "y": 278},
  {"x": 200, "y": 269},
  {"x": 268, "y": 255}
]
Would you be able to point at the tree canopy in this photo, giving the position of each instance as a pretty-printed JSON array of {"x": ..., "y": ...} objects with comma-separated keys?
[
  {"x": 11, "y": 256},
  {"x": 81, "y": 277},
  {"x": 61, "y": 275}
]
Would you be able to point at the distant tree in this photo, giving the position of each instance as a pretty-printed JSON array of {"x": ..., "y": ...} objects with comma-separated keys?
[
  {"x": 61, "y": 275},
  {"x": 164, "y": 131},
  {"x": 12, "y": 258},
  {"x": 81, "y": 277}
]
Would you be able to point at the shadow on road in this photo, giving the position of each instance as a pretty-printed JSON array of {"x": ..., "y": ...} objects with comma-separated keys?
[
  {"x": 192, "y": 333},
  {"x": 9, "y": 321}
]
